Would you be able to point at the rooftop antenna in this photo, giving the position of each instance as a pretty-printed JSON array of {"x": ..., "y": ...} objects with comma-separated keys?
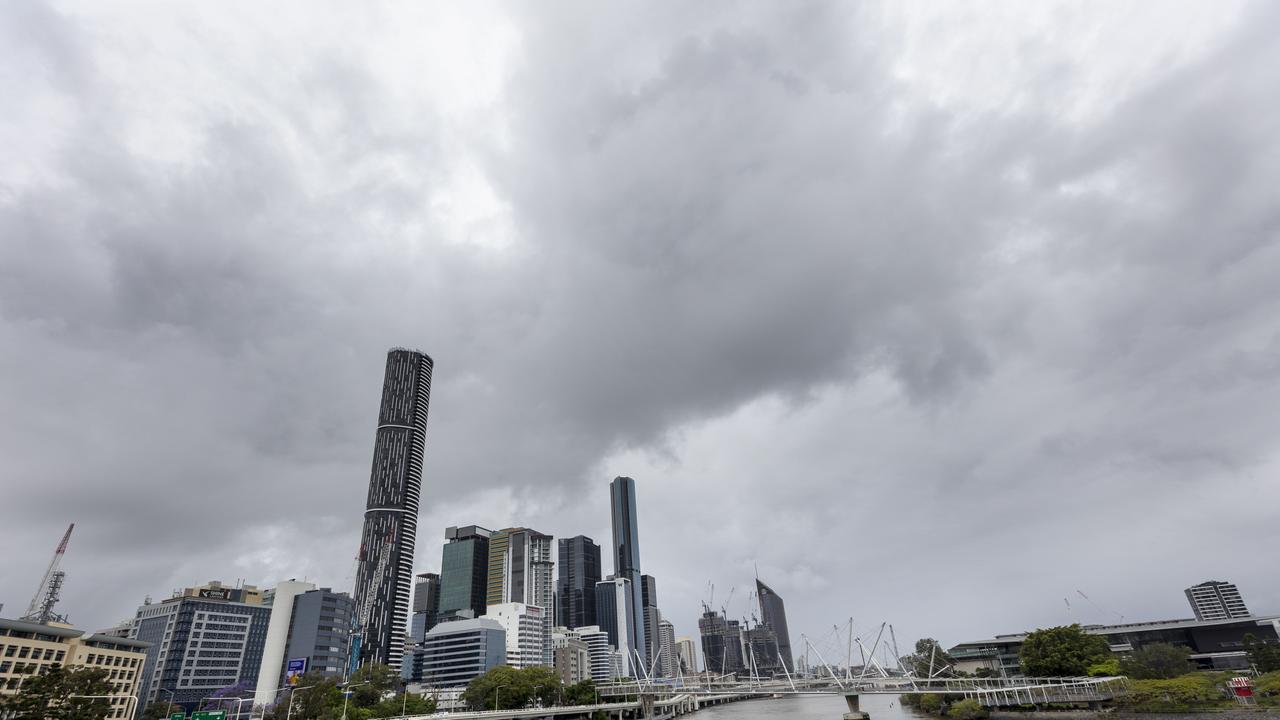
[{"x": 41, "y": 608}]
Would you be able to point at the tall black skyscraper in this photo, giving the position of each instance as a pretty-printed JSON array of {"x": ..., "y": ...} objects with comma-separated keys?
[
  {"x": 773, "y": 615},
  {"x": 626, "y": 553},
  {"x": 385, "y": 578},
  {"x": 576, "y": 584}
]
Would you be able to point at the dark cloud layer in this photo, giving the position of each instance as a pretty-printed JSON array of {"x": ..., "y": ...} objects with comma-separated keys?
[{"x": 908, "y": 310}]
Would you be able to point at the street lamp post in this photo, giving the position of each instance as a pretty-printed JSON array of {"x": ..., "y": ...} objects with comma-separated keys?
[
  {"x": 289, "y": 713},
  {"x": 495, "y": 696},
  {"x": 134, "y": 698},
  {"x": 169, "y": 710},
  {"x": 346, "y": 695}
]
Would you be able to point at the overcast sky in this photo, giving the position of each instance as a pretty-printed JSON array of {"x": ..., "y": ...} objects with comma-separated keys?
[{"x": 943, "y": 315}]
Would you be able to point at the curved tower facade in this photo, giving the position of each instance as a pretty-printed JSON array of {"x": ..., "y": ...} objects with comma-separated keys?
[{"x": 385, "y": 578}]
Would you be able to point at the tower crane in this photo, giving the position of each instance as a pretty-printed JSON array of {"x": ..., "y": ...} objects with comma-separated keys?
[{"x": 41, "y": 608}]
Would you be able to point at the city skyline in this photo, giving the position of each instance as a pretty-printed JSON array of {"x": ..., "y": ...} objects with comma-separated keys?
[{"x": 994, "y": 281}]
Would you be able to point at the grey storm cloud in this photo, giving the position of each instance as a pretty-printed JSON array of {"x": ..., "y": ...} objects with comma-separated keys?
[{"x": 908, "y": 311}]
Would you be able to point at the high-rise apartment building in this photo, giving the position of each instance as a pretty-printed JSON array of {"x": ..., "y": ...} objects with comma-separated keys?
[
  {"x": 1216, "y": 600},
  {"x": 579, "y": 572},
  {"x": 385, "y": 577},
  {"x": 523, "y": 626},
  {"x": 626, "y": 556},
  {"x": 669, "y": 664},
  {"x": 773, "y": 615},
  {"x": 464, "y": 573},
  {"x": 521, "y": 571}
]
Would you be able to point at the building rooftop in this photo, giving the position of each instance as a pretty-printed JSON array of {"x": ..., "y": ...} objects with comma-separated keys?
[
  {"x": 56, "y": 630},
  {"x": 471, "y": 625},
  {"x": 1181, "y": 624}
]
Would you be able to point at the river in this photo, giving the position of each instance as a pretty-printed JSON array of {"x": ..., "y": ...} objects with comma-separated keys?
[{"x": 807, "y": 707}]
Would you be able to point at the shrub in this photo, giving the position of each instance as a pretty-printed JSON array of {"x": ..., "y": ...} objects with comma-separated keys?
[
  {"x": 930, "y": 703},
  {"x": 1195, "y": 690},
  {"x": 967, "y": 709},
  {"x": 1107, "y": 668}
]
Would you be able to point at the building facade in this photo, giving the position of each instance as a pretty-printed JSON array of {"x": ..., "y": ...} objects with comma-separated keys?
[
  {"x": 626, "y": 556},
  {"x": 28, "y": 649},
  {"x": 280, "y": 600},
  {"x": 521, "y": 571},
  {"x": 773, "y": 615},
  {"x": 1216, "y": 600},
  {"x": 464, "y": 573},
  {"x": 670, "y": 663},
  {"x": 384, "y": 584},
  {"x": 457, "y": 652},
  {"x": 614, "y": 611},
  {"x": 320, "y": 632},
  {"x": 600, "y": 652},
  {"x": 572, "y": 656},
  {"x": 687, "y": 653},
  {"x": 721, "y": 644},
  {"x": 1213, "y": 644},
  {"x": 579, "y": 571},
  {"x": 199, "y": 645},
  {"x": 523, "y": 627},
  {"x": 426, "y": 606}
]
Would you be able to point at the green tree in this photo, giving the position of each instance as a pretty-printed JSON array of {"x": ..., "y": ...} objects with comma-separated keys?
[
  {"x": 48, "y": 696},
  {"x": 404, "y": 704},
  {"x": 1158, "y": 661},
  {"x": 929, "y": 658},
  {"x": 318, "y": 699},
  {"x": 1064, "y": 651},
  {"x": 1264, "y": 656},
  {"x": 930, "y": 703},
  {"x": 371, "y": 683},
  {"x": 506, "y": 688},
  {"x": 582, "y": 693},
  {"x": 966, "y": 709}
]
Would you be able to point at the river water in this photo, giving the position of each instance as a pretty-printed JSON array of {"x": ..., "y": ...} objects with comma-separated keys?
[{"x": 808, "y": 707}]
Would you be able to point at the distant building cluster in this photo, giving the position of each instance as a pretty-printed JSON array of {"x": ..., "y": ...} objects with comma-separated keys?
[{"x": 512, "y": 596}]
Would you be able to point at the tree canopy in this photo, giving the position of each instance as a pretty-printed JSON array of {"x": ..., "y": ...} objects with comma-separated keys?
[
  {"x": 48, "y": 696},
  {"x": 1265, "y": 657},
  {"x": 928, "y": 659},
  {"x": 506, "y": 688},
  {"x": 1064, "y": 651},
  {"x": 1159, "y": 661}
]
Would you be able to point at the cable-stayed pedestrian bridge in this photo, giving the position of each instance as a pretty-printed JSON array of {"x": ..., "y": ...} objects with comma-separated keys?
[{"x": 990, "y": 692}]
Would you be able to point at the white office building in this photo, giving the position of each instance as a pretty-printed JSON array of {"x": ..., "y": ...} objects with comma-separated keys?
[{"x": 524, "y": 625}]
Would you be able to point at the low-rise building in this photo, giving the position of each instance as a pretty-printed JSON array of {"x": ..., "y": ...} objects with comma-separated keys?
[
  {"x": 455, "y": 653},
  {"x": 1214, "y": 644},
  {"x": 28, "y": 649},
  {"x": 572, "y": 656}
]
